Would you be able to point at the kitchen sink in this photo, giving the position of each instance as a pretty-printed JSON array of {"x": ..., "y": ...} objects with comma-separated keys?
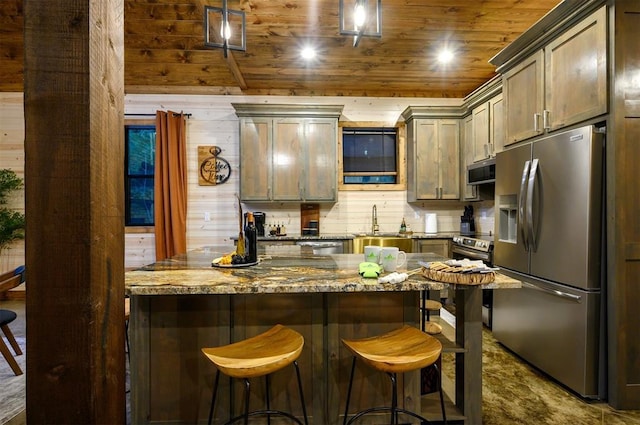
[
  {"x": 380, "y": 234},
  {"x": 359, "y": 242}
]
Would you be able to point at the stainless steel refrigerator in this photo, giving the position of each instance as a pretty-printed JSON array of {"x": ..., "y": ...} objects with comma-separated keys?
[{"x": 549, "y": 234}]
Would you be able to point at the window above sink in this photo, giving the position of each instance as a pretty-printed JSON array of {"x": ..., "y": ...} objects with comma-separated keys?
[{"x": 372, "y": 156}]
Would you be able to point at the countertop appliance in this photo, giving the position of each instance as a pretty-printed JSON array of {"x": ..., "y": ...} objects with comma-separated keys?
[
  {"x": 431, "y": 223},
  {"x": 549, "y": 234},
  {"x": 478, "y": 247},
  {"x": 260, "y": 219}
]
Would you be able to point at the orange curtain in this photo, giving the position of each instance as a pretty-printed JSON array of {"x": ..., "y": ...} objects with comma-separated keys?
[{"x": 170, "y": 188}]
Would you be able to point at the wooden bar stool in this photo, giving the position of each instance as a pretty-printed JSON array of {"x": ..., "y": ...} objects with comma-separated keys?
[
  {"x": 257, "y": 356},
  {"x": 401, "y": 350},
  {"x": 428, "y": 326}
]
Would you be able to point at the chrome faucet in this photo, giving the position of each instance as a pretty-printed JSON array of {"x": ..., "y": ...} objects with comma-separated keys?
[{"x": 374, "y": 220}]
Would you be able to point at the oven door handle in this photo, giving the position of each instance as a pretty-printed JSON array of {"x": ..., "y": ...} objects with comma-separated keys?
[{"x": 474, "y": 255}]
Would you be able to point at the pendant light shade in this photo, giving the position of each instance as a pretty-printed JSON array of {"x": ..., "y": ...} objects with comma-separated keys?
[
  {"x": 225, "y": 28},
  {"x": 361, "y": 18}
]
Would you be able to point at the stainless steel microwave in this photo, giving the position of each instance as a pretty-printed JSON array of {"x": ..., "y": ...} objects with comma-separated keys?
[{"x": 482, "y": 172}]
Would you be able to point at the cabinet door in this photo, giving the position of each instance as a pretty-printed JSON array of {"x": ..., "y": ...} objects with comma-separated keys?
[
  {"x": 449, "y": 158},
  {"x": 576, "y": 73},
  {"x": 437, "y": 159},
  {"x": 255, "y": 159},
  {"x": 481, "y": 131},
  {"x": 320, "y": 160},
  {"x": 523, "y": 91},
  {"x": 496, "y": 124},
  {"x": 437, "y": 246},
  {"x": 427, "y": 174},
  {"x": 468, "y": 191},
  {"x": 288, "y": 136}
]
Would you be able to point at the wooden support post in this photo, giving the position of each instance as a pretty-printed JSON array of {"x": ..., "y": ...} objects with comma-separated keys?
[
  {"x": 469, "y": 364},
  {"x": 74, "y": 197}
]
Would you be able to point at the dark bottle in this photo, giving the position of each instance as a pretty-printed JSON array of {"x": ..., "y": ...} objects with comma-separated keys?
[{"x": 251, "y": 240}]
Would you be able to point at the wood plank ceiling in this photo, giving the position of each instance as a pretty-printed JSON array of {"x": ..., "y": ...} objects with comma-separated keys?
[{"x": 165, "y": 52}]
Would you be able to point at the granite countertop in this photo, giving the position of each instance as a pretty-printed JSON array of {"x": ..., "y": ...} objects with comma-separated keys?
[
  {"x": 298, "y": 237},
  {"x": 192, "y": 273},
  {"x": 349, "y": 236}
]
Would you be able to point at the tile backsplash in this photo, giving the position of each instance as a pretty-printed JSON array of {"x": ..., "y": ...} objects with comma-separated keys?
[{"x": 352, "y": 213}]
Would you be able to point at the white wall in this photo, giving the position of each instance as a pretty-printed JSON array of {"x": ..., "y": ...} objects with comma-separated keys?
[{"x": 213, "y": 122}]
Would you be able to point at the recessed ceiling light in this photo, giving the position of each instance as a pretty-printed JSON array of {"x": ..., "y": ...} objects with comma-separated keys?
[
  {"x": 445, "y": 56},
  {"x": 308, "y": 53}
]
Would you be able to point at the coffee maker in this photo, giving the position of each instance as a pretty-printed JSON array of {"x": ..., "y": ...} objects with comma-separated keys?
[{"x": 260, "y": 219}]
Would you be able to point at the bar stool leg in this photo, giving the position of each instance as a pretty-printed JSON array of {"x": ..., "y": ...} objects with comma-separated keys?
[
  {"x": 424, "y": 314},
  {"x": 267, "y": 400},
  {"x": 247, "y": 395},
  {"x": 346, "y": 409},
  {"x": 126, "y": 336},
  {"x": 439, "y": 378},
  {"x": 213, "y": 396},
  {"x": 304, "y": 407},
  {"x": 394, "y": 399}
]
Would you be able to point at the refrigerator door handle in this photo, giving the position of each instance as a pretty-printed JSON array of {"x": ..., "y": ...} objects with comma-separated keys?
[
  {"x": 530, "y": 188},
  {"x": 521, "y": 204},
  {"x": 553, "y": 292}
]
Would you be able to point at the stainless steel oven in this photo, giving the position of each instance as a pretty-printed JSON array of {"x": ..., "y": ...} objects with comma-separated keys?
[
  {"x": 477, "y": 248},
  {"x": 473, "y": 249}
]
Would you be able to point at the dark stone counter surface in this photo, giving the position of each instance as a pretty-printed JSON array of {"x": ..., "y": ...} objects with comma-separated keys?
[
  {"x": 192, "y": 273},
  {"x": 350, "y": 236}
]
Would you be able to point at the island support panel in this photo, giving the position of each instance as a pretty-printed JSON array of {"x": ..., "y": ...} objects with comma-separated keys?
[{"x": 171, "y": 380}]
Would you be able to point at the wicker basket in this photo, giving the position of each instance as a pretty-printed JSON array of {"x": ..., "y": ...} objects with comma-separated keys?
[{"x": 459, "y": 278}]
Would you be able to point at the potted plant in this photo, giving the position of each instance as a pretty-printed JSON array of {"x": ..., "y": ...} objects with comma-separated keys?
[{"x": 12, "y": 223}]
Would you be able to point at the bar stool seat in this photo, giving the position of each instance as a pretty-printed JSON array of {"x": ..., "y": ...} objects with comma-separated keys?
[
  {"x": 433, "y": 305},
  {"x": 401, "y": 350},
  {"x": 257, "y": 356}
]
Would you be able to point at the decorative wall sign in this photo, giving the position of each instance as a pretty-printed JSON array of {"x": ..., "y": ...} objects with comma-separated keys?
[{"x": 213, "y": 168}]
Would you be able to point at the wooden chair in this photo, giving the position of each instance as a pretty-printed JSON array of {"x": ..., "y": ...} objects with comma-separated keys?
[
  {"x": 258, "y": 356},
  {"x": 401, "y": 350},
  {"x": 8, "y": 281}
]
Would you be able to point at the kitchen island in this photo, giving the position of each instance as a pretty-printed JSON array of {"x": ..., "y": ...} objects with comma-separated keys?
[{"x": 183, "y": 304}]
